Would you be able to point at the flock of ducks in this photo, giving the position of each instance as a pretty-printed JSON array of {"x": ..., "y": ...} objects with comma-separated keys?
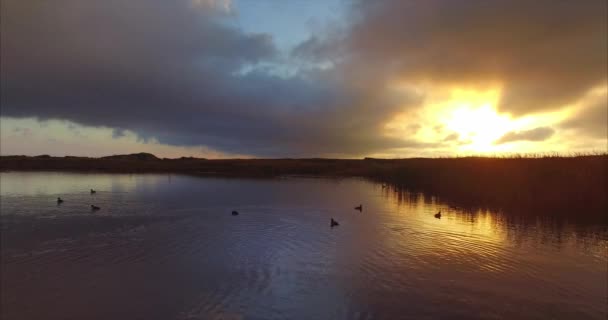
[
  {"x": 93, "y": 207},
  {"x": 332, "y": 222}
]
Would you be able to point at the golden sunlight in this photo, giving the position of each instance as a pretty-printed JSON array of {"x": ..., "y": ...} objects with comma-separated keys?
[
  {"x": 466, "y": 121},
  {"x": 475, "y": 119}
]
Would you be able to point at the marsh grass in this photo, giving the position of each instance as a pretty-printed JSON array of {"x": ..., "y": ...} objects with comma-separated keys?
[{"x": 556, "y": 185}]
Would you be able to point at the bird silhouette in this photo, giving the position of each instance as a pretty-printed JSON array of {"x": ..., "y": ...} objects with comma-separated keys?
[
  {"x": 94, "y": 208},
  {"x": 333, "y": 223},
  {"x": 438, "y": 215},
  {"x": 93, "y": 191},
  {"x": 59, "y": 200},
  {"x": 360, "y": 207},
  {"x": 235, "y": 213}
]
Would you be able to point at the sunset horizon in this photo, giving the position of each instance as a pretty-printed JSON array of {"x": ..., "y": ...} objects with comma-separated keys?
[
  {"x": 271, "y": 79},
  {"x": 303, "y": 159}
]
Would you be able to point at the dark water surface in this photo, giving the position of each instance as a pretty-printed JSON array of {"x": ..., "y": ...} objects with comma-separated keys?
[{"x": 167, "y": 247}]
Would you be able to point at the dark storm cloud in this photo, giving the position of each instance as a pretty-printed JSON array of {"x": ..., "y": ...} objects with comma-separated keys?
[
  {"x": 544, "y": 53},
  {"x": 536, "y": 134},
  {"x": 172, "y": 71}
]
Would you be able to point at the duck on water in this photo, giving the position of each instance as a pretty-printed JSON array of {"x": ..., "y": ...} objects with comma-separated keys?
[{"x": 333, "y": 223}]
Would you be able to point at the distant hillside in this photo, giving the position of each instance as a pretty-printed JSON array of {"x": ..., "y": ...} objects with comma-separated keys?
[{"x": 133, "y": 156}]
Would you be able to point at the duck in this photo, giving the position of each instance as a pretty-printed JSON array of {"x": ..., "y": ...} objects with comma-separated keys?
[
  {"x": 93, "y": 191},
  {"x": 94, "y": 208},
  {"x": 438, "y": 215},
  {"x": 59, "y": 200},
  {"x": 333, "y": 223},
  {"x": 360, "y": 207},
  {"x": 235, "y": 213}
]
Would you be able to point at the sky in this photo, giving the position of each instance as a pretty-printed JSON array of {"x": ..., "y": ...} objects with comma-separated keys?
[{"x": 303, "y": 78}]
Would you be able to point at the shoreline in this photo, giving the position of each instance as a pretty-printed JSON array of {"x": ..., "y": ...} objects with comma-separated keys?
[{"x": 566, "y": 186}]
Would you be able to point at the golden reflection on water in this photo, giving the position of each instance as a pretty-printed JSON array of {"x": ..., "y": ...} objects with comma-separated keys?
[
  {"x": 479, "y": 222},
  {"x": 494, "y": 228}
]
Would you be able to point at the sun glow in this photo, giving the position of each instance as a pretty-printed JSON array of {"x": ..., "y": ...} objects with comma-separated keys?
[
  {"x": 473, "y": 117},
  {"x": 480, "y": 126},
  {"x": 467, "y": 122},
  {"x": 464, "y": 121}
]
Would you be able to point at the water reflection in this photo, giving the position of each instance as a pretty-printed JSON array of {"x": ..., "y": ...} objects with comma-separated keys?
[
  {"x": 511, "y": 227},
  {"x": 167, "y": 247}
]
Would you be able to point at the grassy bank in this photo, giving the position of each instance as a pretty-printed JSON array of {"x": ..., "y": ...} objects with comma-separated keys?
[{"x": 573, "y": 186}]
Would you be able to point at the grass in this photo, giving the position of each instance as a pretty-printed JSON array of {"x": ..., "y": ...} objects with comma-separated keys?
[
  {"x": 575, "y": 185},
  {"x": 572, "y": 186}
]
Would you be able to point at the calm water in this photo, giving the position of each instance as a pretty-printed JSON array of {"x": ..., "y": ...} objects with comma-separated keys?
[{"x": 167, "y": 247}]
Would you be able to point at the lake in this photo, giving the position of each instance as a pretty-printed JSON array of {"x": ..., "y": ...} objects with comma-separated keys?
[{"x": 165, "y": 246}]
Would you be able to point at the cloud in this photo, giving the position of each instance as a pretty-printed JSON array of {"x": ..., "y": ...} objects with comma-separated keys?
[
  {"x": 451, "y": 137},
  {"x": 174, "y": 71},
  {"x": 591, "y": 119},
  {"x": 543, "y": 54},
  {"x": 59, "y": 138},
  {"x": 536, "y": 134},
  {"x": 118, "y": 133}
]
